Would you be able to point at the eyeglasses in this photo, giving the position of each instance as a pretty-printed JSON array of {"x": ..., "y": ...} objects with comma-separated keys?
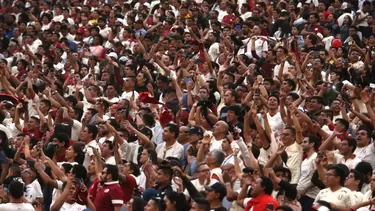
[
  {"x": 330, "y": 174},
  {"x": 204, "y": 170}
]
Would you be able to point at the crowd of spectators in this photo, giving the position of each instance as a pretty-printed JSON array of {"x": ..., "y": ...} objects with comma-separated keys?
[{"x": 174, "y": 105}]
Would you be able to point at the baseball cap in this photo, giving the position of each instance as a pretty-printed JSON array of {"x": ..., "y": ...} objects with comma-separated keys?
[
  {"x": 113, "y": 55},
  {"x": 196, "y": 130},
  {"x": 218, "y": 188}
]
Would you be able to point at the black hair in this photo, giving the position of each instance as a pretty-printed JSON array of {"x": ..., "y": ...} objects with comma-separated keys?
[
  {"x": 173, "y": 128},
  {"x": 80, "y": 171},
  {"x": 113, "y": 171},
  {"x": 358, "y": 176},
  {"x": 80, "y": 157},
  {"x": 267, "y": 184},
  {"x": 178, "y": 199},
  {"x": 93, "y": 130},
  {"x": 67, "y": 167},
  {"x": 365, "y": 168},
  {"x": 291, "y": 83},
  {"x": 339, "y": 172},
  {"x": 16, "y": 189},
  {"x": 314, "y": 139},
  {"x": 167, "y": 170},
  {"x": 351, "y": 142},
  {"x": 344, "y": 122},
  {"x": 202, "y": 204},
  {"x": 292, "y": 130}
]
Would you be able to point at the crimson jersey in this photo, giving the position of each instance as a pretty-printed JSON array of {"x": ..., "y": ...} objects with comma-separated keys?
[{"x": 109, "y": 196}]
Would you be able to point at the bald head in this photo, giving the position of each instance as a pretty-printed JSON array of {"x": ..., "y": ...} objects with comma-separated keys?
[{"x": 220, "y": 128}]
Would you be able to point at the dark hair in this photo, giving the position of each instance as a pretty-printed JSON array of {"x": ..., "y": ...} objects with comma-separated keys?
[
  {"x": 93, "y": 130},
  {"x": 80, "y": 171},
  {"x": 16, "y": 170},
  {"x": 135, "y": 168},
  {"x": 351, "y": 142},
  {"x": 67, "y": 167},
  {"x": 339, "y": 172},
  {"x": 173, "y": 128},
  {"x": 138, "y": 203},
  {"x": 344, "y": 122},
  {"x": 292, "y": 130},
  {"x": 358, "y": 176},
  {"x": 167, "y": 170},
  {"x": 47, "y": 102},
  {"x": 152, "y": 155},
  {"x": 267, "y": 184},
  {"x": 62, "y": 138},
  {"x": 109, "y": 143},
  {"x": 202, "y": 204},
  {"x": 291, "y": 83},
  {"x": 178, "y": 199},
  {"x": 365, "y": 168},
  {"x": 80, "y": 157},
  {"x": 113, "y": 171},
  {"x": 16, "y": 189},
  {"x": 284, "y": 208},
  {"x": 314, "y": 139}
]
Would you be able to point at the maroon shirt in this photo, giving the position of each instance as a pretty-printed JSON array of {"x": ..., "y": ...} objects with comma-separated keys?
[{"x": 109, "y": 196}]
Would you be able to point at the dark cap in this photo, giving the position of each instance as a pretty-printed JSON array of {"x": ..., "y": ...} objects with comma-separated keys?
[
  {"x": 218, "y": 188},
  {"x": 196, "y": 130}
]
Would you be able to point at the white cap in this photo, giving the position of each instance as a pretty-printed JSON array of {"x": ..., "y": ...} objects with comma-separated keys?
[{"x": 113, "y": 54}]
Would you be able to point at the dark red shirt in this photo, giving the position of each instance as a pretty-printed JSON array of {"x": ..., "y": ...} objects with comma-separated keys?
[
  {"x": 128, "y": 188},
  {"x": 109, "y": 196}
]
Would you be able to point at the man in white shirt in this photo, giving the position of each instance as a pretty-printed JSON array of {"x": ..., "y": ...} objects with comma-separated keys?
[
  {"x": 291, "y": 139},
  {"x": 107, "y": 152},
  {"x": 170, "y": 147},
  {"x": 365, "y": 151},
  {"x": 335, "y": 193},
  {"x": 306, "y": 190},
  {"x": 67, "y": 201},
  {"x": 261, "y": 44},
  {"x": 88, "y": 135},
  {"x": 33, "y": 190},
  {"x": 16, "y": 198}
]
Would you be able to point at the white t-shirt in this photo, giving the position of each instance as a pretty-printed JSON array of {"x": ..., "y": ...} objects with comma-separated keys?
[
  {"x": 342, "y": 197},
  {"x": 72, "y": 207},
  {"x": 128, "y": 95},
  {"x": 16, "y": 207},
  {"x": 308, "y": 168},
  {"x": 88, "y": 152},
  {"x": 294, "y": 162},
  {"x": 76, "y": 129},
  {"x": 366, "y": 153},
  {"x": 33, "y": 191},
  {"x": 277, "y": 69}
]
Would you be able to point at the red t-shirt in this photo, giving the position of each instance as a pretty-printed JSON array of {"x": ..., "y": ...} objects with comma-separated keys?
[
  {"x": 128, "y": 188},
  {"x": 229, "y": 19},
  {"x": 260, "y": 203},
  {"x": 93, "y": 189},
  {"x": 36, "y": 134},
  {"x": 109, "y": 196}
]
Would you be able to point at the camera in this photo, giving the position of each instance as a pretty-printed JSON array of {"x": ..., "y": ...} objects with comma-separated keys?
[{"x": 204, "y": 103}]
